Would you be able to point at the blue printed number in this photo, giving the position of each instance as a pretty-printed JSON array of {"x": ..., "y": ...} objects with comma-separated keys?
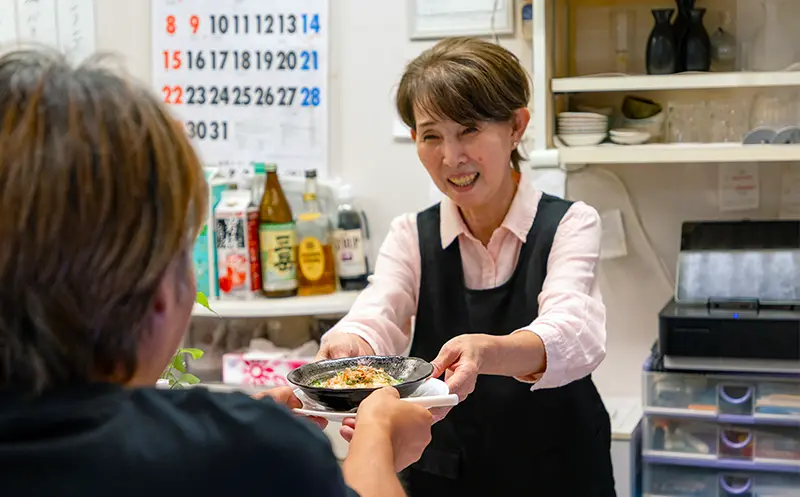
[
  {"x": 308, "y": 60},
  {"x": 310, "y": 97},
  {"x": 310, "y": 23}
]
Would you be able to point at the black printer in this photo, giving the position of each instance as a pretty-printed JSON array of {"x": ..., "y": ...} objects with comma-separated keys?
[{"x": 737, "y": 298}]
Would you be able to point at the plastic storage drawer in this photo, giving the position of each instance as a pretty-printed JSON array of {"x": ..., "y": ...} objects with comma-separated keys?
[
  {"x": 699, "y": 442},
  {"x": 663, "y": 480},
  {"x": 727, "y": 398}
]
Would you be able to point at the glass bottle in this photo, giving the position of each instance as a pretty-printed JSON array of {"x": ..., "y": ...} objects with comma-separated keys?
[
  {"x": 349, "y": 240},
  {"x": 723, "y": 47},
  {"x": 316, "y": 273},
  {"x": 278, "y": 239}
]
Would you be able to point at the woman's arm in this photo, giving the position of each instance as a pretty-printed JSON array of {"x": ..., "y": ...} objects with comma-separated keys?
[
  {"x": 566, "y": 341},
  {"x": 568, "y": 338},
  {"x": 382, "y": 314}
]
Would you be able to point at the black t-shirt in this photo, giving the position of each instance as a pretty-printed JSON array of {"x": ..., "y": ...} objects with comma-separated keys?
[{"x": 110, "y": 441}]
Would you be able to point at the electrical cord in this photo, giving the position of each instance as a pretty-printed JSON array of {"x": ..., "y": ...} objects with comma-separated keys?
[{"x": 639, "y": 225}]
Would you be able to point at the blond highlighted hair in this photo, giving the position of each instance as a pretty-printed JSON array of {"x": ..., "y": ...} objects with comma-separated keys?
[{"x": 100, "y": 192}]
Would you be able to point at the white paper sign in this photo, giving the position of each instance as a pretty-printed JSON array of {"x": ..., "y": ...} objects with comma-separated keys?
[
  {"x": 248, "y": 78},
  {"x": 790, "y": 192},
  {"x": 8, "y": 23},
  {"x": 36, "y": 22},
  {"x": 76, "y": 30},
  {"x": 738, "y": 187}
]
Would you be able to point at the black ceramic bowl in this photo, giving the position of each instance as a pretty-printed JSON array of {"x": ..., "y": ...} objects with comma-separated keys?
[{"x": 410, "y": 371}]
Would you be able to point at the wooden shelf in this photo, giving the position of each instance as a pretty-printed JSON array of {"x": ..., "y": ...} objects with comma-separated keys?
[
  {"x": 336, "y": 303},
  {"x": 683, "y": 81},
  {"x": 678, "y": 153}
]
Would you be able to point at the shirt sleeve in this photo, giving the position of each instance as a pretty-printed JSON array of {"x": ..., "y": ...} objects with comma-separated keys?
[
  {"x": 572, "y": 317},
  {"x": 382, "y": 313}
]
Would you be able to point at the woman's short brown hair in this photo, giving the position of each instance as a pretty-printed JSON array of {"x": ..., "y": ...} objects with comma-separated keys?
[
  {"x": 100, "y": 193},
  {"x": 466, "y": 80}
]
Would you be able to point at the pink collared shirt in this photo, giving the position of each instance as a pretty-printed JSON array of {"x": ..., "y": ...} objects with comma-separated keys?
[{"x": 571, "y": 322}]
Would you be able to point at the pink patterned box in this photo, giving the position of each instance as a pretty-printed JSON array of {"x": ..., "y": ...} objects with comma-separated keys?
[{"x": 259, "y": 369}]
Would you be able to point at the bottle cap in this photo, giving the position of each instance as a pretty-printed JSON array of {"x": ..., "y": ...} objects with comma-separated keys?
[
  {"x": 259, "y": 168},
  {"x": 271, "y": 167},
  {"x": 311, "y": 173}
]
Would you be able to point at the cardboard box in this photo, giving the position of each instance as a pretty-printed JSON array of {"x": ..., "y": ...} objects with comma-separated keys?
[
  {"x": 236, "y": 230},
  {"x": 261, "y": 369},
  {"x": 204, "y": 253}
]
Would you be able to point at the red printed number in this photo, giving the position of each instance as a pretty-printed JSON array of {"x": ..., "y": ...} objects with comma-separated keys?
[
  {"x": 173, "y": 60},
  {"x": 194, "y": 22},
  {"x": 172, "y": 95},
  {"x": 171, "y": 25}
]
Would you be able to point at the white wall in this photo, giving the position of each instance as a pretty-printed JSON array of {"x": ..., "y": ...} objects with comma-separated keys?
[{"x": 370, "y": 46}]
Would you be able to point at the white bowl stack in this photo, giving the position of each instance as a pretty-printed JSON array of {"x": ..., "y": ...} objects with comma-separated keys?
[{"x": 582, "y": 129}]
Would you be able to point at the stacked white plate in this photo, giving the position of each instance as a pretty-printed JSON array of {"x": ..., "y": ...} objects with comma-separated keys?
[
  {"x": 624, "y": 136},
  {"x": 582, "y": 129}
]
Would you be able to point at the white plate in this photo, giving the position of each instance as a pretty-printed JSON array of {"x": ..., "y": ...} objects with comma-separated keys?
[
  {"x": 582, "y": 121},
  {"x": 432, "y": 393},
  {"x": 620, "y": 140},
  {"x": 626, "y": 132},
  {"x": 568, "y": 131},
  {"x": 582, "y": 115},
  {"x": 583, "y": 140}
]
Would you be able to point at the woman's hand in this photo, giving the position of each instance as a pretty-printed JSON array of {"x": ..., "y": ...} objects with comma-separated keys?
[
  {"x": 286, "y": 397},
  {"x": 341, "y": 345},
  {"x": 461, "y": 360}
]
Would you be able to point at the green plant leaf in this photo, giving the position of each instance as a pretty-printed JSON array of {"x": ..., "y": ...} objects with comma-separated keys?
[
  {"x": 189, "y": 378},
  {"x": 195, "y": 353},
  {"x": 177, "y": 363},
  {"x": 203, "y": 300}
]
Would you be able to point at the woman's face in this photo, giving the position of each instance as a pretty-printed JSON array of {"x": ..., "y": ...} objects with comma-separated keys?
[{"x": 469, "y": 164}]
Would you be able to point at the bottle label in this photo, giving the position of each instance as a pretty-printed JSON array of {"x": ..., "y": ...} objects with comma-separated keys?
[
  {"x": 277, "y": 256},
  {"x": 350, "y": 258},
  {"x": 311, "y": 258}
]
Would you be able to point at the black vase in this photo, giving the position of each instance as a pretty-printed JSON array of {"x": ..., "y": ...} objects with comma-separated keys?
[
  {"x": 662, "y": 47},
  {"x": 697, "y": 44},
  {"x": 680, "y": 27}
]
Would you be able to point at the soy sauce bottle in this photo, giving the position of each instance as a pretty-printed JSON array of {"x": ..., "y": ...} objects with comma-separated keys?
[{"x": 350, "y": 239}]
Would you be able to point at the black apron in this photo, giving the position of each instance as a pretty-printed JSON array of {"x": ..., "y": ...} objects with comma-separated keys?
[{"x": 504, "y": 440}]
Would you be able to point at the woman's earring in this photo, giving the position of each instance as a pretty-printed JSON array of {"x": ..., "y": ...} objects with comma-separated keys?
[{"x": 515, "y": 144}]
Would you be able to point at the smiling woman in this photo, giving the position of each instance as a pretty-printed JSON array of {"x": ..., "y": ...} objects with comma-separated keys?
[{"x": 501, "y": 282}]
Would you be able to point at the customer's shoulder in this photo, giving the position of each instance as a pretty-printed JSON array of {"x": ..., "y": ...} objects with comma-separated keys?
[
  {"x": 230, "y": 416},
  {"x": 252, "y": 439},
  {"x": 235, "y": 441}
]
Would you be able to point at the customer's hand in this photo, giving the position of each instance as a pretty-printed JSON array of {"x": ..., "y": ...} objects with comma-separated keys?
[
  {"x": 286, "y": 396},
  {"x": 340, "y": 345},
  {"x": 407, "y": 425}
]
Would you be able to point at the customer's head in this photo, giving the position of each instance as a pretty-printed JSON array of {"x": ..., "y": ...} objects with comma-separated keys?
[
  {"x": 101, "y": 197},
  {"x": 465, "y": 101}
]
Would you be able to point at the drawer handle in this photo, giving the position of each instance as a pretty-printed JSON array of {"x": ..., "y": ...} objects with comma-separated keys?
[
  {"x": 731, "y": 490},
  {"x": 731, "y": 400},
  {"x": 736, "y": 445}
]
